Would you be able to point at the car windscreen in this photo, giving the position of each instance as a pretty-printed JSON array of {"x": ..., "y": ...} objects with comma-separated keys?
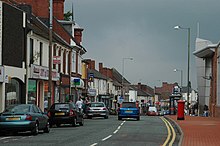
[
  {"x": 96, "y": 105},
  {"x": 129, "y": 105},
  {"x": 18, "y": 108},
  {"x": 61, "y": 106}
]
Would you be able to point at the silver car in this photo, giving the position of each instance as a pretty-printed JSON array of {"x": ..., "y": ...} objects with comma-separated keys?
[{"x": 97, "y": 109}]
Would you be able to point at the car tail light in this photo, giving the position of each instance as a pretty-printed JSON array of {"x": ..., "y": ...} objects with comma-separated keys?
[
  {"x": 72, "y": 113},
  {"x": 28, "y": 117},
  {"x": 104, "y": 108}
]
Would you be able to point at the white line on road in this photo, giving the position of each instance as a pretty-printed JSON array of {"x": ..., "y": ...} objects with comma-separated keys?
[
  {"x": 94, "y": 144},
  {"x": 106, "y": 138},
  {"x": 115, "y": 131},
  {"x": 118, "y": 127},
  {"x": 4, "y": 138}
]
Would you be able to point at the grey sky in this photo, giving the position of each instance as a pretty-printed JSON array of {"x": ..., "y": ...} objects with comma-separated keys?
[{"x": 143, "y": 30}]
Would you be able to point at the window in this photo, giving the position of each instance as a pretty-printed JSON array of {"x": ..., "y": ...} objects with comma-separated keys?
[
  {"x": 12, "y": 92},
  {"x": 31, "y": 51},
  {"x": 41, "y": 53},
  {"x": 74, "y": 62}
]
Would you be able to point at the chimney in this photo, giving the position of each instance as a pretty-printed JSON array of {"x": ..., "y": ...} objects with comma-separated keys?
[
  {"x": 39, "y": 8},
  {"x": 139, "y": 86},
  {"x": 100, "y": 67},
  {"x": 78, "y": 35},
  {"x": 58, "y": 9},
  {"x": 91, "y": 64}
]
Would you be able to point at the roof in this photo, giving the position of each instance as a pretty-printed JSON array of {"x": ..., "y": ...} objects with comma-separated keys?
[
  {"x": 204, "y": 48},
  {"x": 97, "y": 74},
  {"x": 118, "y": 77}
]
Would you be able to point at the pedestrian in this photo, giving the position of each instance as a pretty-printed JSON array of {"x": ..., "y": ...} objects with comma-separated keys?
[
  {"x": 45, "y": 104},
  {"x": 205, "y": 111},
  {"x": 79, "y": 104}
]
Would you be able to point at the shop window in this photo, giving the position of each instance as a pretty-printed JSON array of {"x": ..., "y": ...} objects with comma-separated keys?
[
  {"x": 32, "y": 94},
  {"x": 12, "y": 92}
]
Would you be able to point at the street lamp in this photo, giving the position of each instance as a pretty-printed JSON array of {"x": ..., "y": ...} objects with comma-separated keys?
[
  {"x": 188, "y": 29},
  {"x": 122, "y": 80},
  {"x": 181, "y": 76}
]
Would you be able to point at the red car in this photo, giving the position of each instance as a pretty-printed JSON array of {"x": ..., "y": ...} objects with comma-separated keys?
[{"x": 152, "y": 111}]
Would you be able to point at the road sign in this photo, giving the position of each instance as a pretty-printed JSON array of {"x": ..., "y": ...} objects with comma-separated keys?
[{"x": 120, "y": 99}]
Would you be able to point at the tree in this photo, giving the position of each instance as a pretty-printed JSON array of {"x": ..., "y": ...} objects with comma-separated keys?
[{"x": 67, "y": 16}]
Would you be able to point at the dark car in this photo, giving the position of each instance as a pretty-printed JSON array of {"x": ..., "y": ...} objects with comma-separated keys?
[
  {"x": 24, "y": 117},
  {"x": 128, "y": 110},
  {"x": 65, "y": 113},
  {"x": 97, "y": 109}
]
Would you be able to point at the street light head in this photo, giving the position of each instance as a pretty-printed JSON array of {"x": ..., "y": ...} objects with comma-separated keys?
[
  {"x": 177, "y": 27},
  {"x": 175, "y": 70}
]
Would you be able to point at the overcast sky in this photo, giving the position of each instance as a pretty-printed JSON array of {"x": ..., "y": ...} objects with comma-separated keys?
[{"x": 143, "y": 30}]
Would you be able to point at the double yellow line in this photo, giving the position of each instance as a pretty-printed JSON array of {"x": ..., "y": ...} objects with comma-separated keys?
[{"x": 171, "y": 132}]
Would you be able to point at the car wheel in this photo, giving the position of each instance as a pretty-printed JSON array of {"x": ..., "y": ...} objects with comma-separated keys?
[
  {"x": 74, "y": 122},
  {"x": 82, "y": 122},
  {"x": 89, "y": 117},
  {"x": 47, "y": 128},
  {"x": 138, "y": 118},
  {"x": 58, "y": 125},
  {"x": 119, "y": 118},
  {"x": 35, "y": 131},
  {"x": 106, "y": 117}
]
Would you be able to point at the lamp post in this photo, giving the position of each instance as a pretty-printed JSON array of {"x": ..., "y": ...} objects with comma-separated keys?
[
  {"x": 122, "y": 80},
  {"x": 50, "y": 54},
  {"x": 188, "y": 30},
  {"x": 181, "y": 76}
]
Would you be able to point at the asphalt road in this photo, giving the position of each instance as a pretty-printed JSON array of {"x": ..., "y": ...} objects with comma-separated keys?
[{"x": 149, "y": 131}]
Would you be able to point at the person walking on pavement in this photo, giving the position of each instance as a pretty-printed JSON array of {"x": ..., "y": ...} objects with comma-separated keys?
[
  {"x": 205, "y": 112},
  {"x": 79, "y": 104}
]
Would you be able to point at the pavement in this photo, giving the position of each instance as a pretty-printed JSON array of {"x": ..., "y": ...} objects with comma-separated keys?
[{"x": 198, "y": 131}]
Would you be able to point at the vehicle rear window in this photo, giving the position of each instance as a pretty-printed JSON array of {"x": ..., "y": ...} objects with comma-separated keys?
[
  {"x": 128, "y": 104},
  {"x": 18, "y": 108},
  {"x": 96, "y": 105},
  {"x": 61, "y": 106}
]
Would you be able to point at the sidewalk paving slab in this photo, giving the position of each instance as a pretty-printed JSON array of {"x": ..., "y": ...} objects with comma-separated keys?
[{"x": 199, "y": 131}]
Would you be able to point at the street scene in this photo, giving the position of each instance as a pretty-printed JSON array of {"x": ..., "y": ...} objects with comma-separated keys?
[
  {"x": 99, "y": 131},
  {"x": 117, "y": 72}
]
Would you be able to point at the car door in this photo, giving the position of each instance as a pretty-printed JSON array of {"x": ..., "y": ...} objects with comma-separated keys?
[{"x": 38, "y": 116}]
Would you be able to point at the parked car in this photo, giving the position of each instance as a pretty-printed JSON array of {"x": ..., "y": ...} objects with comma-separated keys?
[
  {"x": 65, "y": 113},
  {"x": 24, "y": 117},
  {"x": 152, "y": 111},
  {"x": 97, "y": 109},
  {"x": 128, "y": 110}
]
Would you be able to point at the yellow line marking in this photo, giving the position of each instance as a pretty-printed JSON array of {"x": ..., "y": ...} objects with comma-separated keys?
[
  {"x": 174, "y": 134},
  {"x": 169, "y": 134}
]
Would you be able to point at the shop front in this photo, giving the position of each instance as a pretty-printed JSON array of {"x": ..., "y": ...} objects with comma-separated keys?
[
  {"x": 77, "y": 86},
  {"x": 65, "y": 88},
  {"x": 38, "y": 85}
]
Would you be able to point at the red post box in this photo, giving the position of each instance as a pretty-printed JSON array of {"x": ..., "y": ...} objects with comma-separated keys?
[{"x": 180, "y": 113}]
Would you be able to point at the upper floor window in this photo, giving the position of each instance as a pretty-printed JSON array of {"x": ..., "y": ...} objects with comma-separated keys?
[
  {"x": 31, "y": 51},
  {"x": 41, "y": 53},
  {"x": 74, "y": 62}
]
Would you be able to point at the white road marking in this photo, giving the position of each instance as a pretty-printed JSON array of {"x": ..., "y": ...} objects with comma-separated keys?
[
  {"x": 118, "y": 127},
  {"x": 106, "y": 138},
  {"x": 94, "y": 144},
  {"x": 115, "y": 131},
  {"x": 4, "y": 138}
]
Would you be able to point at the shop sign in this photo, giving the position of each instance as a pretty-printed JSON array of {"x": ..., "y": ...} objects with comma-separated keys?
[
  {"x": 56, "y": 59},
  {"x": 41, "y": 72},
  {"x": 77, "y": 82},
  {"x": 92, "y": 92}
]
